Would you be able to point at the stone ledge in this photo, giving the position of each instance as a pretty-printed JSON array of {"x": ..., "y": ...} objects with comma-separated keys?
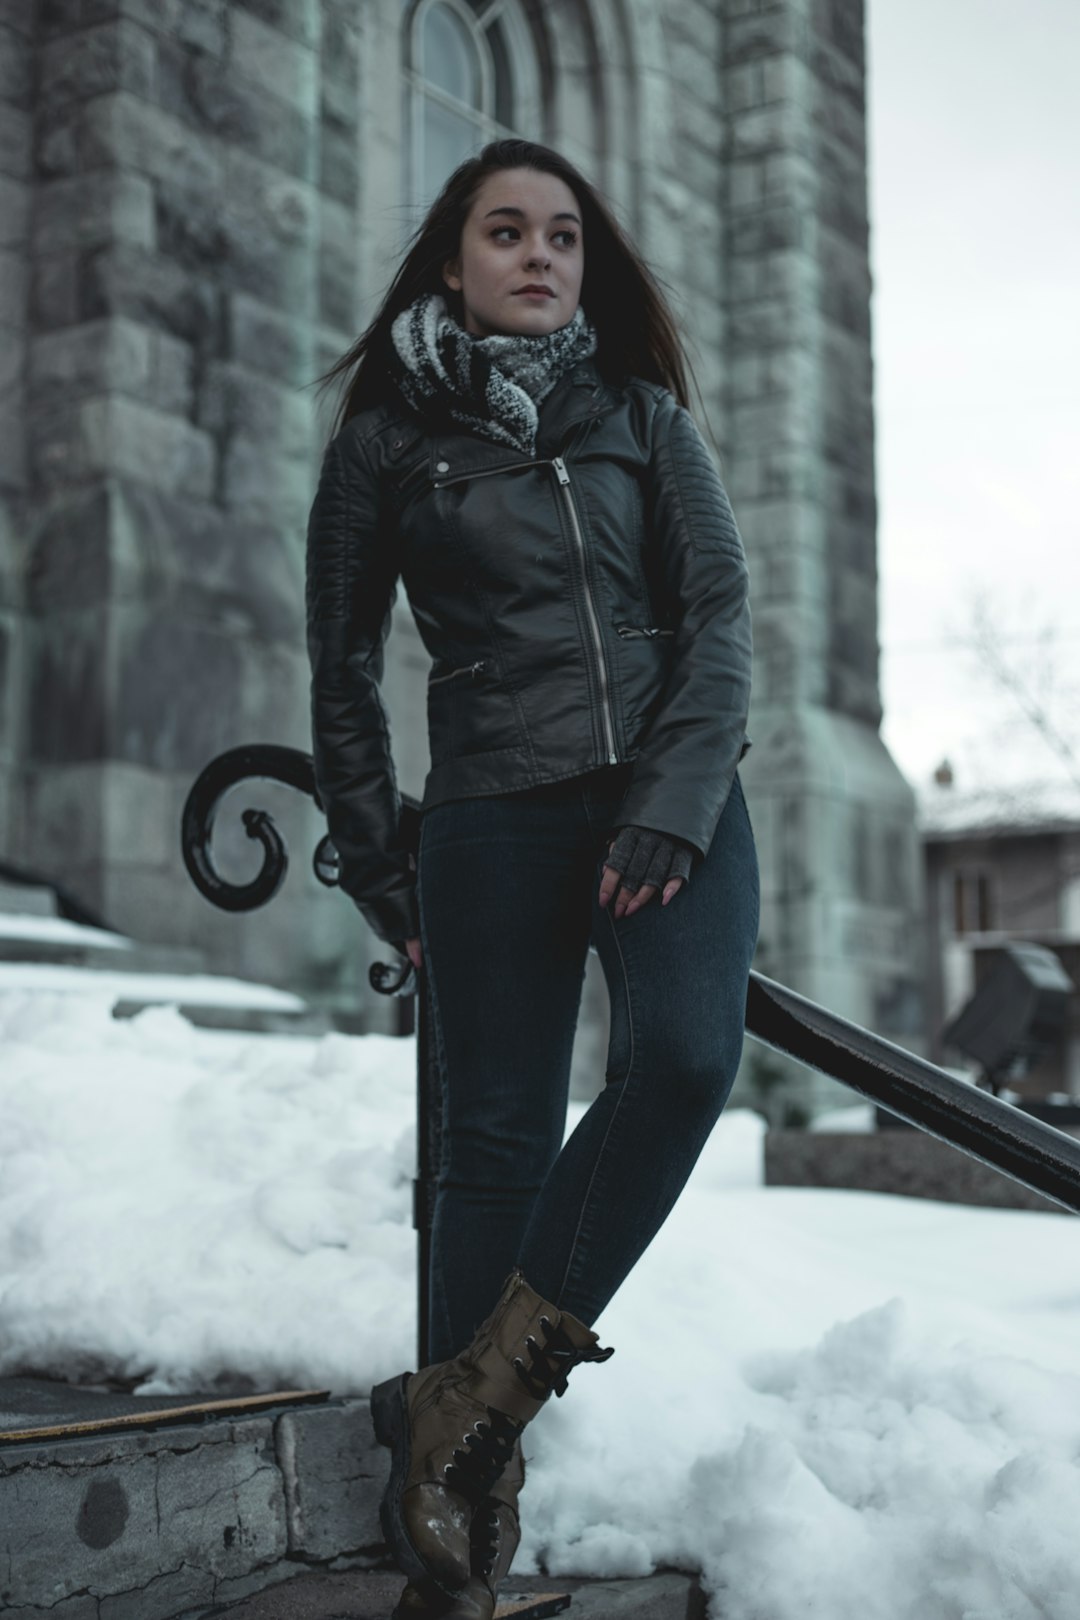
[
  {"x": 370, "y": 1595},
  {"x": 908, "y": 1162},
  {"x": 147, "y": 1524}
]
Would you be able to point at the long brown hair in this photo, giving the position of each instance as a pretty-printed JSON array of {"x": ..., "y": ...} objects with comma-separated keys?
[{"x": 636, "y": 332}]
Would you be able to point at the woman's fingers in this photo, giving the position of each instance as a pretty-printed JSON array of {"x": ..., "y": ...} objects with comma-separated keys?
[{"x": 630, "y": 900}]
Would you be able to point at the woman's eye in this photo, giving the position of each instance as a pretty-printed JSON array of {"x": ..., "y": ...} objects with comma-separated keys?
[{"x": 571, "y": 234}]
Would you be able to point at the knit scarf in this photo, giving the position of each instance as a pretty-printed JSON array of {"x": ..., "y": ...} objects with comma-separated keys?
[{"x": 491, "y": 385}]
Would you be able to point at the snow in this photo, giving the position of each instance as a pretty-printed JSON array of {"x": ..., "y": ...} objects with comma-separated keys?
[
  {"x": 59, "y": 930},
  {"x": 1033, "y": 804},
  {"x": 832, "y": 1403},
  {"x": 110, "y": 985}
]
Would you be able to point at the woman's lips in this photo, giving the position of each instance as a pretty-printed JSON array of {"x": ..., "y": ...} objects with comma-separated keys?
[{"x": 530, "y": 292}]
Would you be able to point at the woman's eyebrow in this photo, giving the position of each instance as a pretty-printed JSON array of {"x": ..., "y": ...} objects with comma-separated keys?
[{"x": 519, "y": 213}]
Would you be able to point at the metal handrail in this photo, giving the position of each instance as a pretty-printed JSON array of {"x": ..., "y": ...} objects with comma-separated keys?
[{"x": 985, "y": 1127}]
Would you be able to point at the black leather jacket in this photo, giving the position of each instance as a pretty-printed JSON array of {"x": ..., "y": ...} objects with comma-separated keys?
[{"x": 583, "y": 607}]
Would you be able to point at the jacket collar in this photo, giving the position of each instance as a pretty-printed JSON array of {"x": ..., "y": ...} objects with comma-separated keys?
[{"x": 580, "y": 395}]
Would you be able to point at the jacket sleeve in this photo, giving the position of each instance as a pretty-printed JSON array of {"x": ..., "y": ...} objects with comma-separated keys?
[
  {"x": 689, "y": 751},
  {"x": 350, "y": 593}
]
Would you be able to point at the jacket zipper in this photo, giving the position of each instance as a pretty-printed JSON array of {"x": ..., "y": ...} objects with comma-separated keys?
[
  {"x": 466, "y": 669},
  {"x": 564, "y": 483}
]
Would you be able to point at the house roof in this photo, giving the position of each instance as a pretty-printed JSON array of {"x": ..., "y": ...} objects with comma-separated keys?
[{"x": 1017, "y": 810}]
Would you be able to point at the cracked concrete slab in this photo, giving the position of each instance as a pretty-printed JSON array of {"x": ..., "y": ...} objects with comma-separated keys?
[
  {"x": 264, "y": 1517},
  {"x": 165, "y": 1515},
  {"x": 370, "y": 1595},
  {"x": 334, "y": 1473}
]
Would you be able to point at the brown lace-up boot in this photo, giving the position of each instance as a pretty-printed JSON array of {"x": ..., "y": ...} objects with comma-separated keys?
[
  {"x": 495, "y": 1537},
  {"x": 451, "y": 1427}
]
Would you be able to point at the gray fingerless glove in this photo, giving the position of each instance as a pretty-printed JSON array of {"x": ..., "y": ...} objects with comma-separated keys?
[{"x": 643, "y": 855}]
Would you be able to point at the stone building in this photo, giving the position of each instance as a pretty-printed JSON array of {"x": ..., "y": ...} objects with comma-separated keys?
[{"x": 201, "y": 205}]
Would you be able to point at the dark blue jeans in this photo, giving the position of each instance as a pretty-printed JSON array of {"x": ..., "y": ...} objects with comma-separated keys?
[{"x": 508, "y": 888}]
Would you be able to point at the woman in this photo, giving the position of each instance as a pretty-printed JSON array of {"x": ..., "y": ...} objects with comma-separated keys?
[{"x": 516, "y": 446}]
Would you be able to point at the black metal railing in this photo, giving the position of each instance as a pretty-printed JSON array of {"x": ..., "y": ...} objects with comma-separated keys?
[{"x": 984, "y": 1126}]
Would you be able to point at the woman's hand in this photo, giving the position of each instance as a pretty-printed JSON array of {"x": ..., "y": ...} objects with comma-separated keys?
[{"x": 630, "y": 900}]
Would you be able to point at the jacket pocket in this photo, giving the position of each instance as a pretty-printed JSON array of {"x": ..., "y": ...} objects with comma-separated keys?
[{"x": 474, "y": 669}]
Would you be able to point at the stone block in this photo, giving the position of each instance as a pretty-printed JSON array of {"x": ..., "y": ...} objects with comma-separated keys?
[
  {"x": 198, "y": 23},
  {"x": 338, "y": 292},
  {"x": 68, "y": 560},
  {"x": 63, "y": 808},
  {"x": 92, "y": 437},
  {"x": 15, "y": 138},
  {"x": 904, "y": 1162},
  {"x": 339, "y": 170},
  {"x": 55, "y": 290},
  {"x": 778, "y": 126},
  {"x": 281, "y": 66},
  {"x": 274, "y": 491},
  {"x": 185, "y": 688},
  {"x": 221, "y": 569},
  {"x": 18, "y": 15},
  {"x": 189, "y": 227},
  {"x": 340, "y": 42},
  {"x": 123, "y": 131},
  {"x": 335, "y": 1474},
  {"x": 14, "y": 445},
  {"x": 237, "y": 399},
  {"x": 767, "y": 230},
  {"x": 127, "y": 1518},
  {"x": 14, "y": 289},
  {"x": 338, "y": 99},
  {"x": 113, "y": 355},
  {"x": 125, "y": 279},
  {"x": 95, "y": 357},
  {"x": 213, "y": 97},
  {"x": 89, "y": 210},
  {"x": 759, "y": 34},
  {"x": 16, "y": 77},
  {"x": 177, "y": 685},
  {"x": 265, "y": 340},
  {"x": 746, "y": 183},
  {"x": 112, "y": 56},
  {"x": 299, "y": 22},
  {"x": 66, "y": 683}
]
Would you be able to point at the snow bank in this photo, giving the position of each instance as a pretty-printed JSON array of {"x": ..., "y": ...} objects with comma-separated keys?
[{"x": 832, "y": 1403}]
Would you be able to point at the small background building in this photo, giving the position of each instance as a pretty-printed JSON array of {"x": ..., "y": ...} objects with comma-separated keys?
[{"x": 1001, "y": 865}]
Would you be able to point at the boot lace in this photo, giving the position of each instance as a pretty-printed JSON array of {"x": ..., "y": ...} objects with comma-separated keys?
[
  {"x": 483, "y": 1454},
  {"x": 545, "y": 1374},
  {"x": 485, "y": 1537}
]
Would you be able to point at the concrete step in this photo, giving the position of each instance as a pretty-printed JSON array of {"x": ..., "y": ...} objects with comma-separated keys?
[
  {"x": 166, "y": 1508},
  {"x": 371, "y": 1595},
  {"x": 31, "y": 899},
  {"x": 54, "y": 953}
]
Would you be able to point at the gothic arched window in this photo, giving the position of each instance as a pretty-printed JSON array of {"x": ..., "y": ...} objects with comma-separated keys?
[{"x": 470, "y": 78}]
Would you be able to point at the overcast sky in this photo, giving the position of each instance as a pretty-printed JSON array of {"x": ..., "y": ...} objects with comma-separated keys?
[{"x": 974, "y": 140}]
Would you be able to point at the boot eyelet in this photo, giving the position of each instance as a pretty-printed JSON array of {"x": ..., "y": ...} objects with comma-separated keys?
[
  {"x": 487, "y": 1569},
  {"x": 518, "y": 1362}
]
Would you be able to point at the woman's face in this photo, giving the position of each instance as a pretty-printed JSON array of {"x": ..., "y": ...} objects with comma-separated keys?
[{"x": 523, "y": 227}]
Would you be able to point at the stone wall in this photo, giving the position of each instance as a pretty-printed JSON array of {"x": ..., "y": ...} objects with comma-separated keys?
[
  {"x": 841, "y": 891},
  {"x": 204, "y": 205}
]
